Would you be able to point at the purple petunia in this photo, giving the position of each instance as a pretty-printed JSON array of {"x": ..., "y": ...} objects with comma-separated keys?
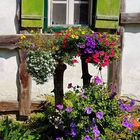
[
  {"x": 125, "y": 107},
  {"x": 132, "y": 103},
  {"x": 59, "y": 106},
  {"x": 127, "y": 123},
  {"x": 112, "y": 95},
  {"x": 83, "y": 95},
  {"x": 69, "y": 109},
  {"x": 87, "y": 137},
  {"x": 73, "y": 129},
  {"x": 88, "y": 110},
  {"x": 98, "y": 80},
  {"x": 96, "y": 131},
  {"x": 99, "y": 115}
]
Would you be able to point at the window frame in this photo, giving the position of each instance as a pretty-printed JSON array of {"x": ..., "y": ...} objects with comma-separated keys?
[{"x": 69, "y": 12}]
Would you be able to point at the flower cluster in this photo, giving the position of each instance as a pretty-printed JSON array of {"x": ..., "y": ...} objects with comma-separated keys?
[
  {"x": 100, "y": 49},
  {"x": 88, "y": 114},
  {"x": 40, "y": 64},
  {"x": 65, "y": 43}
]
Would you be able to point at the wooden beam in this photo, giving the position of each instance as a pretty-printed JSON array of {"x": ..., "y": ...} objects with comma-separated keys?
[
  {"x": 8, "y": 41},
  {"x": 24, "y": 80},
  {"x": 13, "y": 106},
  {"x": 8, "y": 106},
  {"x": 115, "y": 68},
  {"x": 122, "y": 6},
  {"x": 130, "y": 18}
]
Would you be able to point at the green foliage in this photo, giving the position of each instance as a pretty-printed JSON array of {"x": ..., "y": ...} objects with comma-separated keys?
[
  {"x": 12, "y": 130},
  {"x": 100, "y": 99}
]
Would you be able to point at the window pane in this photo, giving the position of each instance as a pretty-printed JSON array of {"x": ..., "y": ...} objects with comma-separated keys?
[
  {"x": 80, "y": 0},
  {"x": 59, "y": 14},
  {"x": 80, "y": 13}
]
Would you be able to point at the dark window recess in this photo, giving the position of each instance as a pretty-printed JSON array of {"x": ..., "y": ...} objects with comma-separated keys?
[
  {"x": 59, "y": 14},
  {"x": 81, "y": 14}
]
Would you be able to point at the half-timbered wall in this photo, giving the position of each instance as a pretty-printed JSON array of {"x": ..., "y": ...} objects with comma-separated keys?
[{"x": 131, "y": 49}]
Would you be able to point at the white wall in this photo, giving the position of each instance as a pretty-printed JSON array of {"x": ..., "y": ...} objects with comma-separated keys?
[
  {"x": 8, "y": 21},
  {"x": 132, "y": 6},
  {"x": 71, "y": 75},
  {"x": 131, "y": 62},
  {"x": 8, "y": 75}
]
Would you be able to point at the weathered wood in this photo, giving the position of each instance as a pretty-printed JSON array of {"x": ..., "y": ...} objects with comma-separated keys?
[
  {"x": 6, "y": 40},
  {"x": 31, "y": 17},
  {"x": 85, "y": 74},
  {"x": 115, "y": 68},
  {"x": 24, "y": 79},
  {"x": 9, "y": 41},
  {"x": 122, "y": 6},
  {"x": 13, "y": 106},
  {"x": 8, "y": 106},
  {"x": 108, "y": 18},
  {"x": 130, "y": 18},
  {"x": 58, "y": 83}
]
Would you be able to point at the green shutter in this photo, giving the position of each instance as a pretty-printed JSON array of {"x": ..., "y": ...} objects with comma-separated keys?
[
  {"x": 107, "y": 14},
  {"x": 32, "y": 13}
]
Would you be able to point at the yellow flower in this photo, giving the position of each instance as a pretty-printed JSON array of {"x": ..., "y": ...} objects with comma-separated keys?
[
  {"x": 22, "y": 37},
  {"x": 72, "y": 36},
  {"x": 83, "y": 32}
]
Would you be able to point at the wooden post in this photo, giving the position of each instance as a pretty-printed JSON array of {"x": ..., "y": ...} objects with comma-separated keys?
[
  {"x": 58, "y": 83},
  {"x": 25, "y": 80},
  {"x": 85, "y": 74}
]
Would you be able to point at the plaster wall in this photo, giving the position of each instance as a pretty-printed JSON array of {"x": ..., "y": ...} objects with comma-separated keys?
[
  {"x": 132, "y": 6},
  {"x": 131, "y": 62},
  {"x": 72, "y": 75},
  {"x": 8, "y": 75},
  {"x": 8, "y": 20}
]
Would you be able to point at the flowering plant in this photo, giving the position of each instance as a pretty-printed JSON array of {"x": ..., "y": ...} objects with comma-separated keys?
[
  {"x": 65, "y": 43},
  {"x": 100, "y": 49},
  {"x": 94, "y": 113}
]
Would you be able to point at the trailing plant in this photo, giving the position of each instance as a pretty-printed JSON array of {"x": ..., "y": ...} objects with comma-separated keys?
[{"x": 41, "y": 65}]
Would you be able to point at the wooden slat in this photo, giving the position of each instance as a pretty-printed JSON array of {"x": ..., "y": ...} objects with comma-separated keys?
[
  {"x": 115, "y": 68},
  {"x": 108, "y": 18},
  {"x": 31, "y": 17},
  {"x": 130, "y": 18},
  {"x": 24, "y": 79}
]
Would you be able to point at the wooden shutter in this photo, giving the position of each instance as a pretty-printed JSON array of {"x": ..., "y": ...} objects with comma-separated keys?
[{"x": 32, "y": 13}]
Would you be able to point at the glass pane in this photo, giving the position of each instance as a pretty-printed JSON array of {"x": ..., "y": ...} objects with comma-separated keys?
[
  {"x": 80, "y": 13},
  {"x": 59, "y": 14},
  {"x": 59, "y": 0},
  {"x": 80, "y": 0}
]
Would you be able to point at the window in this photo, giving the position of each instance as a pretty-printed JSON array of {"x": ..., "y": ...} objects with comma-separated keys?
[{"x": 68, "y": 12}]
